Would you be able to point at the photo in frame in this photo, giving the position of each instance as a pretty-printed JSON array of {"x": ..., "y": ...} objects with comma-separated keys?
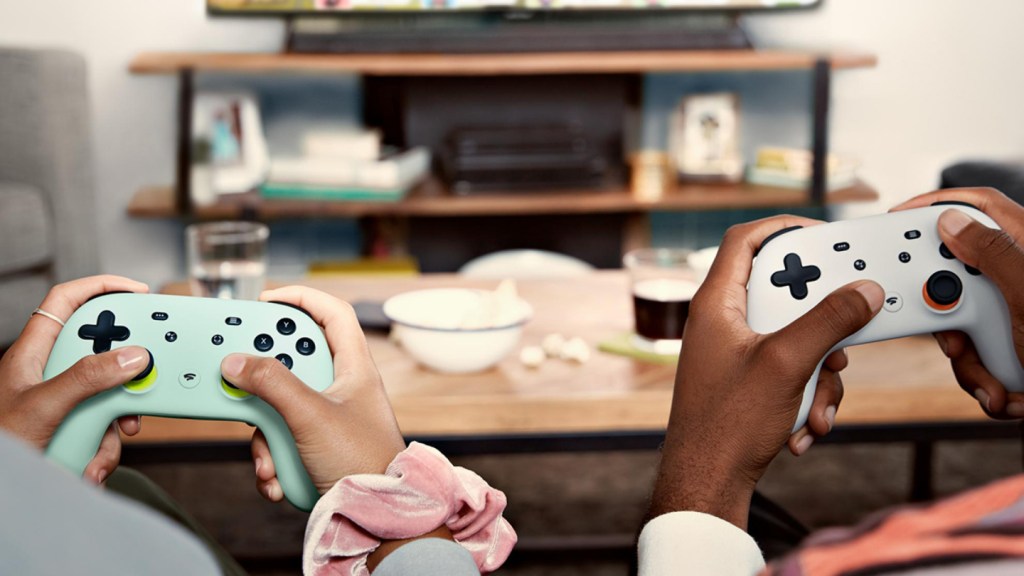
[{"x": 704, "y": 138}]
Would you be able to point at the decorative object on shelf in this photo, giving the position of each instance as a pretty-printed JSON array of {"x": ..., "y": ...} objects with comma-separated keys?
[
  {"x": 227, "y": 126},
  {"x": 651, "y": 174},
  {"x": 792, "y": 168},
  {"x": 704, "y": 138}
]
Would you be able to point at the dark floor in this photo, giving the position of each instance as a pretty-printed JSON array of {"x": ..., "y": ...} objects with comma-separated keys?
[{"x": 601, "y": 496}]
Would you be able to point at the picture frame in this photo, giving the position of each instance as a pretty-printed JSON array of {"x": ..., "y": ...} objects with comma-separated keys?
[{"x": 704, "y": 138}]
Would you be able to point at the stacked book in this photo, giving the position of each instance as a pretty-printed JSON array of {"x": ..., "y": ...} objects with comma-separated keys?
[
  {"x": 346, "y": 165},
  {"x": 792, "y": 168}
]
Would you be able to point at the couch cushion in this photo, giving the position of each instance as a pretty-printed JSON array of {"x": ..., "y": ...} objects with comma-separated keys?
[
  {"x": 19, "y": 296},
  {"x": 26, "y": 237}
]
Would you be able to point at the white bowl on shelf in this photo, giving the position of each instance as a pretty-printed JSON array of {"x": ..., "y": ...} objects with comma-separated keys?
[{"x": 429, "y": 324}]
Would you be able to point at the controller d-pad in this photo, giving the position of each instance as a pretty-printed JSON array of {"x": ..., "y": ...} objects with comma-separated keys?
[
  {"x": 795, "y": 276},
  {"x": 103, "y": 332}
]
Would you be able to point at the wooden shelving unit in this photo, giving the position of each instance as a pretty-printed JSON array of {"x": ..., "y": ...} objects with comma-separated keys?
[
  {"x": 434, "y": 202},
  {"x": 486, "y": 64},
  {"x": 431, "y": 199}
]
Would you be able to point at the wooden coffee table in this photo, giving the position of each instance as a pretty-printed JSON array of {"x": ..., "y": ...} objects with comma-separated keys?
[{"x": 902, "y": 390}]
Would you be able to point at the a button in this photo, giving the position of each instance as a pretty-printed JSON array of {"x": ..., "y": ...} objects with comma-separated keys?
[
  {"x": 233, "y": 391},
  {"x": 954, "y": 203},
  {"x": 171, "y": 336},
  {"x": 285, "y": 359},
  {"x": 233, "y": 321},
  {"x": 893, "y": 302},
  {"x": 795, "y": 276},
  {"x": 189, "y": 379},
  {"x": 972, "y": 270},
  {"x": 305, "y": 346},
  {"x": 942, "y": 291},
  {"x": 160, "y": 316},
  {"x": 217, "y": 339},
  {"x": 912, "y": 234},
  {"x": 841, "y": 246},
  {"x": 286, "y": 326},
  {"x": 103, "y": 332},
  {"x": 263, "y": 342},
  {"x": 945, "y": 252},
  {"x": 775, "y": 235},
  {"x": 145, "y": 380},
  {"x": 904, "y": 257},
  {"x": 860, "y": 264}
]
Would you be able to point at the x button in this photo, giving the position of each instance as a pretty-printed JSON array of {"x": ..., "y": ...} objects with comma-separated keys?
[{"x": 795, "y": 276}]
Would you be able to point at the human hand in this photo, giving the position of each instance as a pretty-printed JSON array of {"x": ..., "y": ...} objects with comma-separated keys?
[
  {"x": 999, "y": 256},
  {"x": 347, "y": 429},
  {"x": 32, "y": 409},
  {"x": 737, "y": 392}
]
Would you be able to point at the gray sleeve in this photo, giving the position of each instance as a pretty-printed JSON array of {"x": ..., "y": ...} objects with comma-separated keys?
[
  {"x": 428, "y": 557},
  {"x": 54, "y": 523}
]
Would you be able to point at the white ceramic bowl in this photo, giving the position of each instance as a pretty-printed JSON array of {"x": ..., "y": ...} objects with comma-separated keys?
[{"x": 427, "y": 324}]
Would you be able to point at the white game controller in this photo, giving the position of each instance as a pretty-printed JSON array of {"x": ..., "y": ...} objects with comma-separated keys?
[{"x": 926, "y": 288}]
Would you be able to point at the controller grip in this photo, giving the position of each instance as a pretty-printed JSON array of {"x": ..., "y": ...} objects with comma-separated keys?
[
  {"x": 76, "y": 440},
  {"x": 808, "y": 399},
  {"x": 291, "y": 472},
  {"x": 999, "y": 356}
]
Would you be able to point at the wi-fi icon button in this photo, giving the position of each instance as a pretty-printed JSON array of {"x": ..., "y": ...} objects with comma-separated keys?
[
  {"x": 893, "y": 302},
  {"x": 189, "y": 379}
]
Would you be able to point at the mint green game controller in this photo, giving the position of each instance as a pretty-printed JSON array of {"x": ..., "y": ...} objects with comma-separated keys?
[{"x": 187, "y": 338}]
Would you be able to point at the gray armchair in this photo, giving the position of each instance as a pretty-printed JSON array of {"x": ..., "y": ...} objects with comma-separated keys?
[{"x": 47, "y": 218}]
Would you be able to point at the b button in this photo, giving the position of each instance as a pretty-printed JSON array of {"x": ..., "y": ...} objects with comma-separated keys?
[{"x": 305, "y": 346}]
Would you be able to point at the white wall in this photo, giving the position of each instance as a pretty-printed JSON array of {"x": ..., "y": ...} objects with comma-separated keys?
[{"x": 949, "y": 86}]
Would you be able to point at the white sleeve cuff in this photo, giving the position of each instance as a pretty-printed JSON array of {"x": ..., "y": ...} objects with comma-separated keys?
[{"x": 696, "y": 543}]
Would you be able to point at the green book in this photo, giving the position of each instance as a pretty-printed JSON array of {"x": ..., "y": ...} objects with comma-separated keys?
[{"x": 306, "y": 192}]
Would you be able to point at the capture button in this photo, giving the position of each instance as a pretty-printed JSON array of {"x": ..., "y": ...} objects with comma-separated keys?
[
  {"x": 217, "y": 339},
  {"x": 305, "y": 346},
  {"x": 263, "y": 342},
  {"x": 841, "y": 246},
  {"x": 159, "y": 316},
  {"x": 912, "y": 234},
  {"x": 904, "y": 257},
  {"x": 942, "y": 291},
  {"x": 189, "y": 380},
  {"x": 285, "y": 359},
  {"x": 286, "y": 326},
  {"x": 233, "y": 321}
]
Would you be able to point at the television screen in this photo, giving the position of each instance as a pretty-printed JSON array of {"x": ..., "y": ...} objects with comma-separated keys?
[{"x": 329, "y": 6}]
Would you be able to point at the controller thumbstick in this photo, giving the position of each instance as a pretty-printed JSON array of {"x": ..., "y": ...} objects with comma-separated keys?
[
  {"x": 942, "y": 291},
  {"x": 145, "y": 379}
]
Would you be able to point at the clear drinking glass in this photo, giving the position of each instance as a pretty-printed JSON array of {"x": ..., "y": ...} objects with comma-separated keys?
[
  {"x": 227, "y": 259},
  {"x": 662, "y": 283}
]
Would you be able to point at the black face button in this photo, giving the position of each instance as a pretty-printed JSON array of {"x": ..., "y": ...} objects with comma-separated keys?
[
  {"x": 233, "y": 321},
  {"x": 912, "y": 234},
  {"x": 285, "y": 359},
  {"x": 263, "y": 342},
  {"x": 945, "y": 252},
  {"x": 972, "y": 270},
  {"x": 286, "y": 326},
  {"x": 103, "y": 332},
  {"x": 841, "y": 246},
  {"x": 160, "y": 316},
  {"x": 305, "y": 346},
  {"x": 944, "y": 288},
  {"x": 904, "y": 257},
  {"x": 171, "y": 336},
  {"x": 775, "y": 235},
  {"x": 860, "y": 264},
  {"x": 954, "y": 203},
  {"x": 217, "y": 339},
  {"x": 795, "y": 276}
]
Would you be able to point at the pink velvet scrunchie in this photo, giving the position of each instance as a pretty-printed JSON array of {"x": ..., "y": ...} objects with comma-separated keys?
[{"x": 420, "y": 492}]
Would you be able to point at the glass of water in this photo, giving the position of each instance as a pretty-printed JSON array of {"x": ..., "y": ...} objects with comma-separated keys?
[{"x": 227, "y": 259}]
